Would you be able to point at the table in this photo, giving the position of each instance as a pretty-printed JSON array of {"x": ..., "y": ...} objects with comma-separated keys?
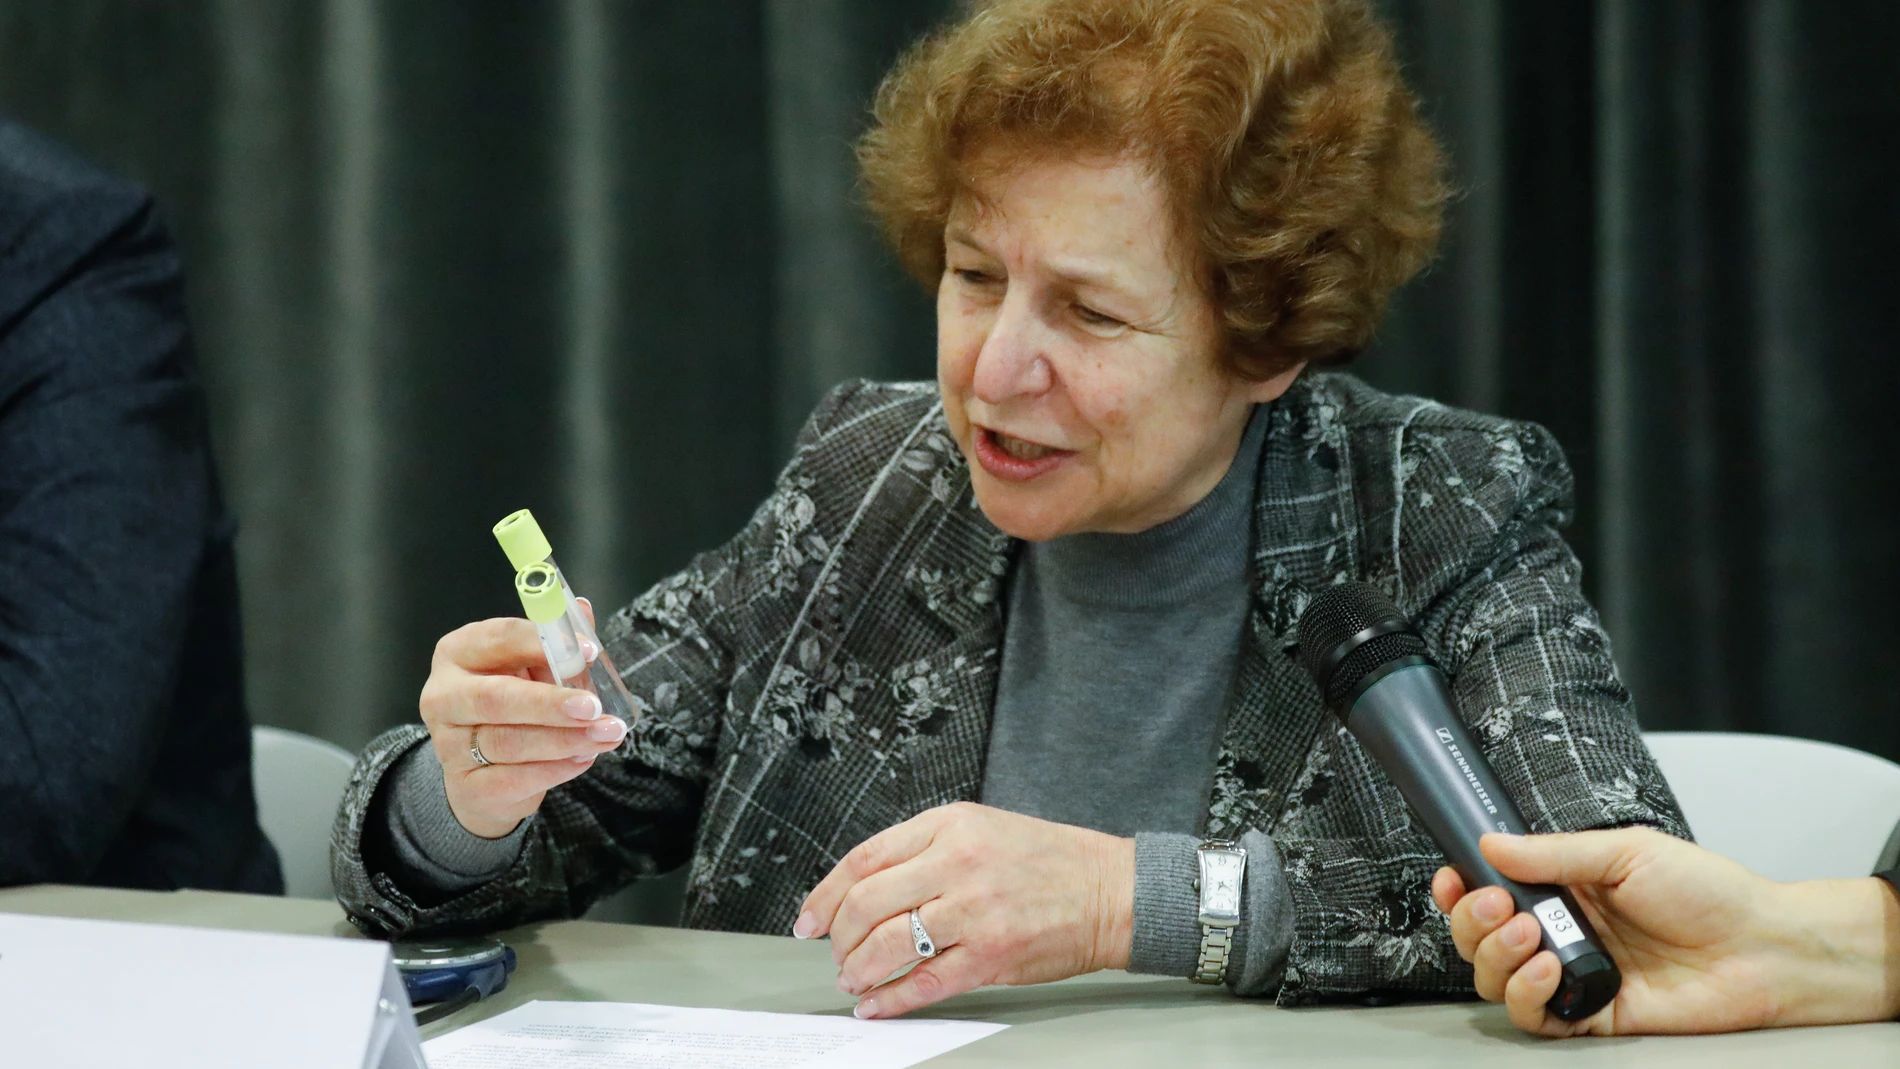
[{"x": 1107, "y": 1019}]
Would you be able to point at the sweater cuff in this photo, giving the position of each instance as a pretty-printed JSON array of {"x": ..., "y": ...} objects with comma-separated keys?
[
  {"x": 429, "y": 842},
  {"x": 1266, "y": 921},
  {"x": 1167, "y": 936},
  {"x": 1167, "y": 930}
]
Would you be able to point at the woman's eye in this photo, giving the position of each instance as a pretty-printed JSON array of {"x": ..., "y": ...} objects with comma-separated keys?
[
  {"x": 971, "y": 277},
  {"x": 1094, "y": 318}
]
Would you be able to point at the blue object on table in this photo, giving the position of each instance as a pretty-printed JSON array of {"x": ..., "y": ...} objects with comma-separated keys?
[{"x": 454, "y": 972}]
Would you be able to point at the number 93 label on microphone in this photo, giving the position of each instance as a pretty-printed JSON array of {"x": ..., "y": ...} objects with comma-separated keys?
[{"x": 1562, "y": 928}]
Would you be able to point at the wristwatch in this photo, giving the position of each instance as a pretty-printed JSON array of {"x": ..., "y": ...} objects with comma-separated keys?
[{"x": 1223, "y": 867}]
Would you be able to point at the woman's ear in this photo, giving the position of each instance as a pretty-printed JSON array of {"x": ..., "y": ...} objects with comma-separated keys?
[{"x": 1262, "y": 391}]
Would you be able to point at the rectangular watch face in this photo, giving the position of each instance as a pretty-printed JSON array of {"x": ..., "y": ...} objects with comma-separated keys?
[{"x": 1220, "y": 883}]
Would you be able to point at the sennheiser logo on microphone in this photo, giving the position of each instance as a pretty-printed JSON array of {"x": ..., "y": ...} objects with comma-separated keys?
[{"x": 1445, "y": 736}]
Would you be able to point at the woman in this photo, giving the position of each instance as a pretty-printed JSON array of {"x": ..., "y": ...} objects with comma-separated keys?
[{"x": 995, "y": 658}]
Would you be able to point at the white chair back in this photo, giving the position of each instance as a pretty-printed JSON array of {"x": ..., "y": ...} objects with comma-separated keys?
[
  {"x": 299, "y": 782},
  {"x": 1790, "y": 809}
]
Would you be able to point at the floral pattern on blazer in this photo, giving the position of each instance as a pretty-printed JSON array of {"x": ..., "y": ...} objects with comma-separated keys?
[{"x": 830, "y": 672}]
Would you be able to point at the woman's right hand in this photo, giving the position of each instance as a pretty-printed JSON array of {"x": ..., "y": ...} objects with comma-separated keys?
[{"x": 489, "y": 685}]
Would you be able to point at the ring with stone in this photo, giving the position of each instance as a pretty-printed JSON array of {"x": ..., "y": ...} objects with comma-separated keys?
[
  {"x": 926, "y": 946},
  {"x": 475, "y": 748}
]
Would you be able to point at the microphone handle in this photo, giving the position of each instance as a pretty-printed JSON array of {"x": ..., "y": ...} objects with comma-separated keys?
[{"x": 1406, "y": 719}]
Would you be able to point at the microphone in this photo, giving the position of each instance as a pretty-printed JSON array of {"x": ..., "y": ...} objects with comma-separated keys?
[{"x": 1372, "y": 667}]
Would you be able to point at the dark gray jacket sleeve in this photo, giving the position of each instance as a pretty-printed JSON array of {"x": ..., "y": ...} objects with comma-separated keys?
[
  {"x": 1531, "y": 671},
  {"x": 633, "y": 814}
]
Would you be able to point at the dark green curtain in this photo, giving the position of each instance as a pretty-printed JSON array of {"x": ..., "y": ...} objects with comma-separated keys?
[
  {"x": 1674, "y": 248},
  {"x": 598, "y": 257},
  {"x": 449, "y": 259}
]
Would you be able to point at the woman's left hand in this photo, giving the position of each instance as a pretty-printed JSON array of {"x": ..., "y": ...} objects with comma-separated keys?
[{"x": 1007, "y": 899}]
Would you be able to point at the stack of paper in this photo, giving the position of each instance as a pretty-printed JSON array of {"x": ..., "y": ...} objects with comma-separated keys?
[{"x": 624, "y": 1035}]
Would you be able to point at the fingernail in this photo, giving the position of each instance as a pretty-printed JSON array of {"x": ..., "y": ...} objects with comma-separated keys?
[
  {"x": 607, "y": 729},
  {"x": 865, "y": 1010},
  {"x": 804, "y": 925},
  {"x": 1515, "y": 936},
  {"x": 845, "y": 985},
  {"x": 1489, "y": 909},
  {"x": 582, "y": 707},
  {"x": 590, "y": 650},
  {"x": 584, "y": 759}
]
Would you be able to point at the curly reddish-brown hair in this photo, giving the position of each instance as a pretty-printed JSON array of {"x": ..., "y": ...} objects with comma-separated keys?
[{"x": 1291, "y": 148}]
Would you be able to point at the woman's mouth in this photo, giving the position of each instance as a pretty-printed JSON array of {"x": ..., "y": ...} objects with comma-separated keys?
[{"x": 1016, "y": 459}]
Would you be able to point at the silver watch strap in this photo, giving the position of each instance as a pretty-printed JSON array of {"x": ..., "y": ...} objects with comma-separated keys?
[{"x": 1216, "y": 945}]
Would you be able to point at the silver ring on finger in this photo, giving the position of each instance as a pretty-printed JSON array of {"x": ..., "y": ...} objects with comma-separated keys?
[
  {"x": 475, "y": 749},
  {"x": 925, "y": 946}
]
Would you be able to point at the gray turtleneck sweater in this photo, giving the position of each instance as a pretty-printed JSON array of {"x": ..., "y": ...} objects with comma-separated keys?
[{"x": 1118, "y": 655}]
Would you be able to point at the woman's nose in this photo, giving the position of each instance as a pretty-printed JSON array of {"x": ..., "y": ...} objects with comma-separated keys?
[{"x": 1012, "y": 363}]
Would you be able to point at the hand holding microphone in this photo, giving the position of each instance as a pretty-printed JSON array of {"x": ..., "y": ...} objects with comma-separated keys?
[
  {"x": 1704, "y": 944},
  {"x": 1372, "y": 668}
]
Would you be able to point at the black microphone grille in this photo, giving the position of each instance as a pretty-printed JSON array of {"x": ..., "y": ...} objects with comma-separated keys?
[{"x": 1334, "y": 616}]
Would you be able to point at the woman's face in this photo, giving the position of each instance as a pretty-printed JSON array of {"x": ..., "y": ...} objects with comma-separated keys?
[{"x": 1078, "y": 354}]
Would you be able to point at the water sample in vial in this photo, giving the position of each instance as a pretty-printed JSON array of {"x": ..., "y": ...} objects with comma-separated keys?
[{"x": 521, "y": 539}]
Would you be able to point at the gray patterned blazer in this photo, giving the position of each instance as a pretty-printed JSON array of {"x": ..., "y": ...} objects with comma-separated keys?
[{"x": 830, "y": 672}]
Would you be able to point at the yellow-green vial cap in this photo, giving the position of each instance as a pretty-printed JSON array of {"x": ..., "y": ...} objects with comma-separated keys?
[
  {"x": 522, "y": 540},
  {"x": 540, "y": 588}
]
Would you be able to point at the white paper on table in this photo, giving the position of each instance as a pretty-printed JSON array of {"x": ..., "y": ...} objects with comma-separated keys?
[{"x": 631, "y": 1035}]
